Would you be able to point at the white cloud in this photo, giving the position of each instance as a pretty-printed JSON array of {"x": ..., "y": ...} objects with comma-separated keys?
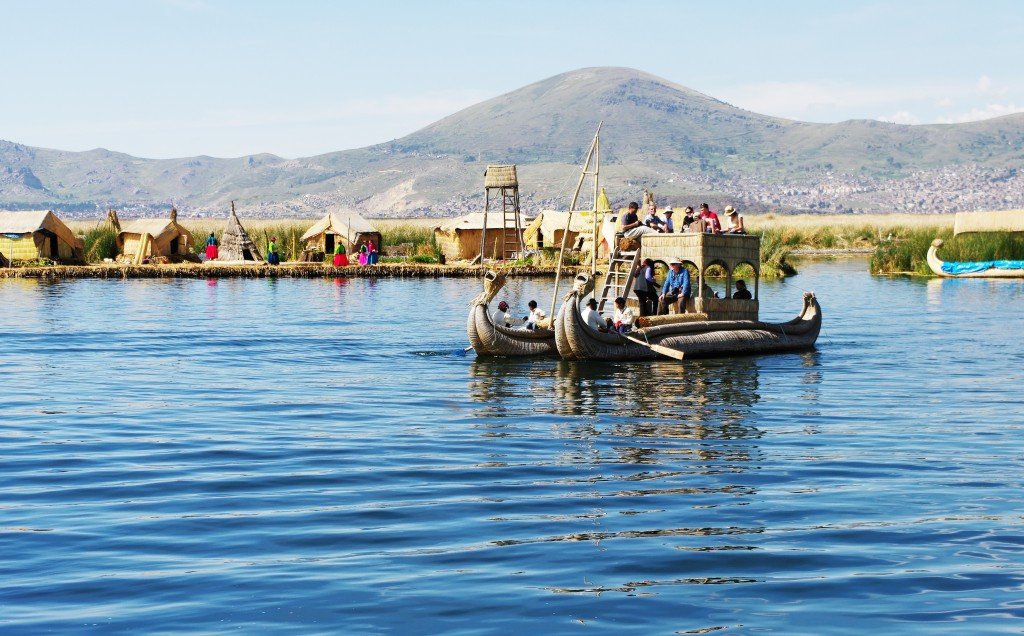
[
  {"x": 944, "y": 102},
  {"x": 902, "y": 117},
  {"x": 977, "y": 114}
]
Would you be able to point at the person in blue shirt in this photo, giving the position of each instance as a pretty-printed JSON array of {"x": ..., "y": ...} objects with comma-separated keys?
[{"x": 676, "y": 287}]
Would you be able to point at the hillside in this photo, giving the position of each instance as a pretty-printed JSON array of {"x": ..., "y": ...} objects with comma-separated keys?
[{"x": 683, "y": 144}]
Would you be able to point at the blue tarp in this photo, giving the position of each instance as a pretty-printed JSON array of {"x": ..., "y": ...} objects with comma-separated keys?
[{"x": 980, "y": 266}]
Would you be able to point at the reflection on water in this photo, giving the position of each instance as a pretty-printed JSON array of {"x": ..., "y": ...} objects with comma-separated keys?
[{"x": 320, "y": 456}]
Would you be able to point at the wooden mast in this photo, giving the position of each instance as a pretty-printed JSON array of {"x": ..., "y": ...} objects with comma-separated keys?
[{"x": 594, "y": 147}]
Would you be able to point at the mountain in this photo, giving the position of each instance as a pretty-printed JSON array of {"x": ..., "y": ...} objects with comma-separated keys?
[{"x": 682, "y": 144}]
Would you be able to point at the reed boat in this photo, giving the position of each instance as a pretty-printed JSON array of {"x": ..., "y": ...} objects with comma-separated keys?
[
  {"x": 490, "y": 339},
  {"x": 972, "y": 269},
  {"x": 1001, "y": 221},
  {"x": 686, "y": 335}
]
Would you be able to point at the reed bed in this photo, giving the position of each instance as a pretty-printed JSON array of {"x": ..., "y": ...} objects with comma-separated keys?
[{"x": 905, "y": 250}]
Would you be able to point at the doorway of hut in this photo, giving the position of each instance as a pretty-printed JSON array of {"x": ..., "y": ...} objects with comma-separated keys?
[
  {"x": 328, "y": 243},
  {"x": 247, "y": 254},
  {"x": 54, "y": 247},
  {"x": 174, "y": 244}
]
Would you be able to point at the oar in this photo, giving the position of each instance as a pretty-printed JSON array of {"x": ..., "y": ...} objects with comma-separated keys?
[{"x": 668, "y": 352}]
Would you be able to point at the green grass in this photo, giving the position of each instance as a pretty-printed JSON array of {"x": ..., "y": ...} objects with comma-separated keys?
[
  {"x": 906, "y": 250},
  {"x": 100, "y": 243}
]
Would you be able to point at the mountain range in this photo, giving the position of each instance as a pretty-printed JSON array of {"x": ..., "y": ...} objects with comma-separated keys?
[{"x": 683, "y": 145}]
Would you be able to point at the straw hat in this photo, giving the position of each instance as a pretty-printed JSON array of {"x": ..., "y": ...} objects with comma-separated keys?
[
  {"x": 730, "y": 210},
  {"x": 668, "y": 208},
  {"x": 674, "y": 261}
]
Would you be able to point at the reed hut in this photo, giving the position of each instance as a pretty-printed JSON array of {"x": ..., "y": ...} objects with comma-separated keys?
[
  {"x": 348, "y": 228},
  {"x": 459, "y": 238},
  {"x": 32, "y": 235},
  {"x": 547, "y": 229},
  {"x": 140, "y": 239},
  {"x": 235, "y": 243}
]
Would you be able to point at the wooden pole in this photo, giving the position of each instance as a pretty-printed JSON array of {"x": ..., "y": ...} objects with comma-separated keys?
[
  {"x": 597, "y": 177},
  {"x": 568, "y": 221}
]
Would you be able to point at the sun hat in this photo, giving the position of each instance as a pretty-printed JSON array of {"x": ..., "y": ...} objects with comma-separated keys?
[
  {"x": 674, "y": 261},
  {"x": 668, "y": 208},
  {"x": 730, "y": 210}
]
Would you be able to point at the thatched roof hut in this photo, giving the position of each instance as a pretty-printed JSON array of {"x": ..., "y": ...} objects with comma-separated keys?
[
  {"x": 546, "y": 230},
  {"x": 235, "y": 243},
  {"x": 459, "y": 238},
  {"x": 35, "y": 234},
  {"x": 346, "y": 227},
  {"x": 998, "y": 221},
  {"x": 140, "y": 239}
]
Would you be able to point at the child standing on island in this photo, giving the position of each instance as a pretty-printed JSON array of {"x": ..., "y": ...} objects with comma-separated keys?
[{"x": 272, "y": 256}]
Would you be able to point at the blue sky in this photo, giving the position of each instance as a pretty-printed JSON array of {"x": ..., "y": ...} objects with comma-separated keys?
[{"x": 166, "y": 78}]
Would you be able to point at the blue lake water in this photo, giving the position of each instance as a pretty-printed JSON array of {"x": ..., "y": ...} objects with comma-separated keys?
[{"x": 320, "y": 456}]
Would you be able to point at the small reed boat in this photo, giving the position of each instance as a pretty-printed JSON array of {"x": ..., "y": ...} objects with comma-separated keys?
[
  {"x": 974, "y": 222},
  {"x": 490, "y": 339},
  {"x": 685, "y": 337}
]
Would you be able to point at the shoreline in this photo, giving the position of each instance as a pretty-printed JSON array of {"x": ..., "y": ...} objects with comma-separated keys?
[{"x": 262, "y": 270}]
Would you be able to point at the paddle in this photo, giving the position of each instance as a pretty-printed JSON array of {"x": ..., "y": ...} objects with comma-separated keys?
[{"x": 668, "y": 352}]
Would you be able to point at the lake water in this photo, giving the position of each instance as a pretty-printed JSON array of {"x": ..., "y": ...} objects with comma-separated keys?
[{"x": 320, "y": 456}]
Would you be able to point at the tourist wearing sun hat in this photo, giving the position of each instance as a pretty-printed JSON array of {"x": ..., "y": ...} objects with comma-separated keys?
[
  {"x": 668, "y": 227},
  {"x": 735, "y": 221},
  {"x": 676, "y": 287}
]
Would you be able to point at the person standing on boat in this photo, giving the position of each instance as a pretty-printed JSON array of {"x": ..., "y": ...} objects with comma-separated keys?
[
  {"x": 592, "y": 318},
  {"x": 624, "y": 317},
  {"x": 676, "y": 287},
  {"x": 340, "y": 257},
  {"x": 535, "y": 317},
  {"x": 273, "y": 257},
  {"x": 645, "y": 287},
  {"x": 211, "y": 247}
]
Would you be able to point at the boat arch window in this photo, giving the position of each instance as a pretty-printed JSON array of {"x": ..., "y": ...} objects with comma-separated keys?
[{"x": 716, "y": 281}]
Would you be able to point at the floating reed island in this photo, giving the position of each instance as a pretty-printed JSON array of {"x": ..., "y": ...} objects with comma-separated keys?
[{"x": 285, "y": 270}]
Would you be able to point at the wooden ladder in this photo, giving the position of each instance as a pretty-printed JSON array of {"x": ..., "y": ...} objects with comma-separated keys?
[
  {"x": 619, "y": 279},
  {"x": 511, "y": 233}
]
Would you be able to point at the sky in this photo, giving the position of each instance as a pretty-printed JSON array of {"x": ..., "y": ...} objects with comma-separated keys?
[{"x": 228, "y": 78}]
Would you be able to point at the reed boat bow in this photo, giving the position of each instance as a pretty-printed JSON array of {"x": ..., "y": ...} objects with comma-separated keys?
[
  {"x": 490, "y": 339},
  {"x": 985, "y": 269}
]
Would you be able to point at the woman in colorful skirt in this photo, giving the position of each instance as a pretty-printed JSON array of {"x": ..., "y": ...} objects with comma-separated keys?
[
  {"x": 364, "y": 255},
  {"x": 340, "y": 257},
  {"x": 371, "y": 252},
  {"x": 211, "y": 247}
]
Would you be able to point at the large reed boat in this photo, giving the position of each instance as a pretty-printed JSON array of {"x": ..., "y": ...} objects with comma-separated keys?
[
  {"x": 706, "y": 326},
  {"x": 975, "y": 222}
]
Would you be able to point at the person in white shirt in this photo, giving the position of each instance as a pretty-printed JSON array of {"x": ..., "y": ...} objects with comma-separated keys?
[
  {"x": 502, "y": 317},
  {"x": 536, "y": 315},
  {"x": 668, "y": 227},
  {"x": 624, "y": 316},
  {"x": 735, "y": 222},
  {"x": 592, "y": 317}
]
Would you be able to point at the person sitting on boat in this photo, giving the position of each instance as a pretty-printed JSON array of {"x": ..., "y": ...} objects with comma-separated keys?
[
  {"x": 742, "y": 293},
  {"x": 535, "y": 317},
  {"x": 631, "y": 225},
  {"x": 676, "y": 287},
  {"x": 273, "y": 257},
  {"x": 340, "y": 257},
  {"x": 735, "y": 221},
  {"x": 710, "y": 218},
  {"x": 502, "y": 317},
  {"x": 624, "y": 316},
  {"x": 645, "y": 287},
  {"x": 593, "y": 318},
  {"x": 668, "y": 227},
  {"x": 652, "y": 220},
  {"x": 211, "y": 247},
  {"x": 688, "y": 219}
]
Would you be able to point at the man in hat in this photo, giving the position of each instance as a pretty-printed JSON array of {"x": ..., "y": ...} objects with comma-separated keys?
[
  {"x": 668, "y": 227},
  {"x": 591, "y": 316},
  {"x": 502, "y": 317},
  {"x": 675, "y": 289}
]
